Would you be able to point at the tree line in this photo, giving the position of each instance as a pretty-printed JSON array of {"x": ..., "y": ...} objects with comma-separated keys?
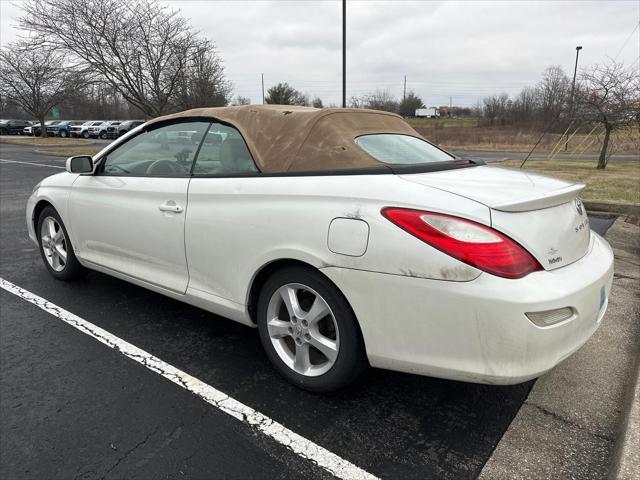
[
  {"x": 380, "y": 99},
  {"x": 605, "y": 95},
  {"x": 138, "y": 57}
]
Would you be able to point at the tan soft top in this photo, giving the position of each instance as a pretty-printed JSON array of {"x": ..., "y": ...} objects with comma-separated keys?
[{"x": 285, "y": 138}]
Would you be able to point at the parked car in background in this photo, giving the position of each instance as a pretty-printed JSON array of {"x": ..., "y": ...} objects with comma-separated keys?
[
  {"x": 13, "y": 127},
  {"x": 93, "y": 129},
  {"x": 110, "y": 131},
  {"x": 124, "y": 127},
  {"x": 62, "y": 129},
  {"x": 343, "y": 235},
  {"x": 37, "y": 128},
  {"x": 83, "y": 130},
  {"x": 100, "y": 131}
]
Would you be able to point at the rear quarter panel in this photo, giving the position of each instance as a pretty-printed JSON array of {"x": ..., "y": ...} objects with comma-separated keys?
[{"x": 236, "y": 226}]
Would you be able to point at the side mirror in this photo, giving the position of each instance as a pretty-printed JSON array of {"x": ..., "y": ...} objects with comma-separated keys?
[{"x": 80, "y": 164}]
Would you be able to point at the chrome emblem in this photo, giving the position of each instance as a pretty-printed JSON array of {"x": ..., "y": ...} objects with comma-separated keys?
[{"x": 579, "y": 207}]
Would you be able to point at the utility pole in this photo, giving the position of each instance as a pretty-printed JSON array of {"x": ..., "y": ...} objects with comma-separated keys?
[
  {"x": 404, "y": 91},
  {"x": 450, "y": 106},
  {"x": 573, "y": 89},
  {"x": 344, "y": 53},
  {"x": 262, "y": 74}
]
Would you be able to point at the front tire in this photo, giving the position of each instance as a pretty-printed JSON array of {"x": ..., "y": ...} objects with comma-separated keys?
[
  {"x": 55, "y": 247},
  {"x": 308, "y": 330}
]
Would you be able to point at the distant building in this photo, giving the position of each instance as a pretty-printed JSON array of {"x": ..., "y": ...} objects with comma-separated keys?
[{"x": 445, "y": 111}]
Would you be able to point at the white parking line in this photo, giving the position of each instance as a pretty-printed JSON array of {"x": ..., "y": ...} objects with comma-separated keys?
[
  {"x": 32, "y": 163},
  {"x": 331, "y": 462}
]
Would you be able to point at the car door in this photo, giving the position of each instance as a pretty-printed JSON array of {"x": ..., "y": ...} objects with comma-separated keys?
[
  {"x": 130, "y": 215},
  {"x": 224, "y": 221}
]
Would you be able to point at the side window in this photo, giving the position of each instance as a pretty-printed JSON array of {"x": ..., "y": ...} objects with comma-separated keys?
[
  {"x": 223, "y": 152},
  {"x": 162, "y": 152}
]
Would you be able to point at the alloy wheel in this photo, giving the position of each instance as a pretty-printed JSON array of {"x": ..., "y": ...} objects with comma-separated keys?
[
  {"x": 303, "y": 329},
  {"x": 54, "y": 243}
]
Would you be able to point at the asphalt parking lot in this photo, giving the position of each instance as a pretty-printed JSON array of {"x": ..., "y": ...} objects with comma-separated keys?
[{"x": 70, "y": 407}]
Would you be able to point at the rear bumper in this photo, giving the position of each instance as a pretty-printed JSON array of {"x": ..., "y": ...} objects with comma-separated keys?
[{"x": 477, "y": 331}]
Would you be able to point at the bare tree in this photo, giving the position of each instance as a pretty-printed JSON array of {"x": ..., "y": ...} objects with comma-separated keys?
[
  {"x": 553, "y": 91},
  {"x": 545, "y": 103},
  {"x": 495, "y": 108},
  {"x": 240, "y": 100},
  {"x": 202, "y": 82},
  {"x": 378, "y": 100},
  {"x": 357, "y": 102},
  {"x": 36, "y": 79},
  {"x": 409, "y": 104},
  {"x": 525, "y": 106},
  {"x": 610, "y": 95},
  {"x": 140, "y": 47},
  {"x": 317, "y": 102},
  {"x": 382, "y": 100}
]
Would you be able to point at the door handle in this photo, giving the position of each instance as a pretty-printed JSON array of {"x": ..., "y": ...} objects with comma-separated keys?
[{"x": 170, "y": 206}]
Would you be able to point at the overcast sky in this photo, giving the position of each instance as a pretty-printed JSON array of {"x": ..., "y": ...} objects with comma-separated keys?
[{"x": 461, "y": 49}]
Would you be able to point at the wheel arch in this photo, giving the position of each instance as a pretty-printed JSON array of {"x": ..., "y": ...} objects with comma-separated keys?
[
  {"x": 37, "y": 209},
  {"x": 268, "y": 269}
]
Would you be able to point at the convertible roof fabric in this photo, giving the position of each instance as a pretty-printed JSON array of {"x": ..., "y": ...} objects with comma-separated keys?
[{"x": 285, "y": 138}]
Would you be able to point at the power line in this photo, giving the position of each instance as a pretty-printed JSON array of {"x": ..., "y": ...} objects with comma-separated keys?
[{"x": 626, "y": 41}]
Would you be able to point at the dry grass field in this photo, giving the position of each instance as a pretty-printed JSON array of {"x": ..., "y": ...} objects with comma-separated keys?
[
  {"x": 70, "y": 151},
  {"x": 511, "y": 139},
  {"x": 618, "y": 183}
]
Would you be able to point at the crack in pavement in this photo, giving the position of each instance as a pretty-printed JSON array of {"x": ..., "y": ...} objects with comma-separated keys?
[
  {"x": 130, "y": 451},
  {"x": 566, "y": 421}
]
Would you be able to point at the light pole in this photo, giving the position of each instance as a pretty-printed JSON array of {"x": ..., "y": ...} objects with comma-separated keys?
[
  {"x": 573, "y": 89},
  {"x": 344, "y": 53}
]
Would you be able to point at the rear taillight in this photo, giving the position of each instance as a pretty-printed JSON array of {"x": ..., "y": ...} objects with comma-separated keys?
[{"x": 470, "y": 242}]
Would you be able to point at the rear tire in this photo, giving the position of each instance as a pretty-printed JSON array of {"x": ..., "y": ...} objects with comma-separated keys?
[
  {"x": 55, "y": 247},
  {"x": 64, "y": 134},
  {"x": 319, "y": 347},
  {"x": 103, "y": 136}
]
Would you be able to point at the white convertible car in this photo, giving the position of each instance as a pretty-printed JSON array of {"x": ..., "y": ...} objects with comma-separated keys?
[{"x": 343, "y": 235}]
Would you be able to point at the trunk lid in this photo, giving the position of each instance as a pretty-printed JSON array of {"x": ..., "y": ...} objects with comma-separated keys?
[{"x": 542, "y": 214}]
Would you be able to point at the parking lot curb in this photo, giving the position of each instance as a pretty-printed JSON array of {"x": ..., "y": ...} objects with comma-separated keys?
[
  {"x": 615, "y": 208},
  {"x": 626, "y": 465}
]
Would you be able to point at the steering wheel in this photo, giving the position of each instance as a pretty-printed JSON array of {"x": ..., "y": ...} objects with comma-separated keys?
[{"x": 161, "y": 167}]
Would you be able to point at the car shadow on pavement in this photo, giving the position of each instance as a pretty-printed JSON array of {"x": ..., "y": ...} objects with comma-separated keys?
[{"x": 390, "y": 424}]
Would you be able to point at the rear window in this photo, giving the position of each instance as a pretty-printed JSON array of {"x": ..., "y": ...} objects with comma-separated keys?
[{"x": 393, "y": 148}]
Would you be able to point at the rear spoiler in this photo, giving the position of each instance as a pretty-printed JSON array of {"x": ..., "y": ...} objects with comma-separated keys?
[{"x": 546, "y": 200}]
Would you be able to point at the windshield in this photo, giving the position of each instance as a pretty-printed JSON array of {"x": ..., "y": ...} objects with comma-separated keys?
[{"x": 400, "y": 149}]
